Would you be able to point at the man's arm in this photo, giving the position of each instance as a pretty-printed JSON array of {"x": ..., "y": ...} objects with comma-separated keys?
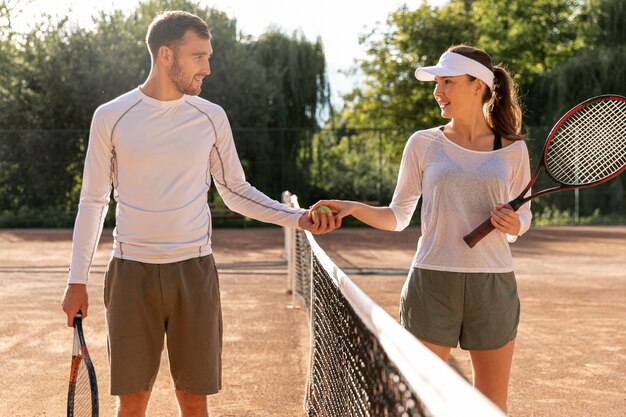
[
  {"x": 92, "y": 209},
  {"x": 243, "y": 198}
]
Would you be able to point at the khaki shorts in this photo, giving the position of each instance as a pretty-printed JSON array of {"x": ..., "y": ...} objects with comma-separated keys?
[
  {"x": 146, "y": 302},
  {"x": 478, "y": 311}
]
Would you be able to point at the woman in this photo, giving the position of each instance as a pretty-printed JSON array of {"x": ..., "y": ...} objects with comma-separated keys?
[{"x": 464, "y": 170}]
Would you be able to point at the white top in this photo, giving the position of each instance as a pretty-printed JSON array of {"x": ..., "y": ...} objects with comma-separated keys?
[
  {"x": 460, "y": 188},
  {"x": 160, "y": 156}
]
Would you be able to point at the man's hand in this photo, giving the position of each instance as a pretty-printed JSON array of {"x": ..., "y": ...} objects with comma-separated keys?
[
  {"x": 75, "y": 299},
  {"x": 322, "y": 223}
]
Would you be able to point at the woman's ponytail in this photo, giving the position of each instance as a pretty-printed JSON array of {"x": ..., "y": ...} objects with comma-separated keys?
[{"x": 502, "y": 109}]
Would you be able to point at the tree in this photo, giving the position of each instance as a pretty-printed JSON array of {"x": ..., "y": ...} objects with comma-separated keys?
[
  {"x": 597, "y": 69},
  {"x": 390, "y": 96},
  {"x": 391, "y": 103},
  {"x": 294, "y": 71},
  {"x": 58, "y": 74},
  {"x": 7, "y": 61},
  {"x": 558, "y": 51},
  {"x": 529, "y": 36}
]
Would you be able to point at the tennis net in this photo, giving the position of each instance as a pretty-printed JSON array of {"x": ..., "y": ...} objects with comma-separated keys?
[{"x": 362, "y": 362}]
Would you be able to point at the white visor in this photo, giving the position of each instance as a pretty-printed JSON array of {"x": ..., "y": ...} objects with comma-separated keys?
[{"x": 451, "y": 64}]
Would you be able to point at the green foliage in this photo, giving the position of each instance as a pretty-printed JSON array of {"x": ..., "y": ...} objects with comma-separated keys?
[
  {"x": 390, "y": 96},
  {"x": 604, "y": 23},
  {"x": 552, "y": 216},
  {"x": 587, "y": 75},
  {"x": 40, "y": 168},
  {"x": 356, "y": 164},
  {"x": 54, "y": 77},
  {"x": 275, "y": 90},
  {"x": 296, "y": 67},
  {"x": 36, "y": 217},
  {"x": 528, "y": 36},
  {"x": 596, "y": 69},
  {"x": 8, "y": 63},
  {"x": 293, "y": 71},
  {"x": 558, "y": 51}
]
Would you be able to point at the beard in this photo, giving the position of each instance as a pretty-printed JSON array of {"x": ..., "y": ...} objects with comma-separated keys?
[{"x": 184, "y": 83}]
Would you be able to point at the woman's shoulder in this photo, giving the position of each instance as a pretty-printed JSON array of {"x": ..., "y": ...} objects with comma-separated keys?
[
  {"x": 425, "y": 135},
  {"x": 516, "y": 150},
  {"x": 506, "y": 141}
]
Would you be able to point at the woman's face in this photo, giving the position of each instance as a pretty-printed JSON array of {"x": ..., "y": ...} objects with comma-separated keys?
[{"x": 457, "y": 96}]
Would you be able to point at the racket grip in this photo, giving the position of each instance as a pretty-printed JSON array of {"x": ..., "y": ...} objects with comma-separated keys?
[{"x": 479, "y": 233}]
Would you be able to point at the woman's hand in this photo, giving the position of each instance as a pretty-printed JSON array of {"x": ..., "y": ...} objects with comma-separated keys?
[
  {"x": 505, "y": 219},
  {"x": 338, "y": 210}
]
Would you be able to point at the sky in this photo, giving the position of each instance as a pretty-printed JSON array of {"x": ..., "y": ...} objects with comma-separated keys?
[{"x": 338, "y": 22}]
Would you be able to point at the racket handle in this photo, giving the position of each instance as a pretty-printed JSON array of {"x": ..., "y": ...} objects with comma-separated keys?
[{"x": 479, "y": 233}]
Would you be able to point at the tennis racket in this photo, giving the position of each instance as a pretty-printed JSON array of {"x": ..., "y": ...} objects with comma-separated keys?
[
  {"x": 586, "y": 147},
  {"x": 82, "y": 397}
]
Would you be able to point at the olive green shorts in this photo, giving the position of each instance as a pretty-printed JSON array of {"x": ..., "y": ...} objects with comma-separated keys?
[
  {"x": 478, "y": 311},
  {"x": 145, "y": 303}
]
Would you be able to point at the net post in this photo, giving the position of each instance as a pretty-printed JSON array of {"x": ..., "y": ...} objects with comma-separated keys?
[
  {"x": 290, "y": 252},
  {"x": 310, "y": 377},
  {"x": 285, "y": 199},
  {"x": 291, "y": 267}
]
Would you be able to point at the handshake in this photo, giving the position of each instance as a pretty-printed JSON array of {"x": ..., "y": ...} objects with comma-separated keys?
[
  {"x": 320, "y": 219},
  {"x": 326, "y": 216}
]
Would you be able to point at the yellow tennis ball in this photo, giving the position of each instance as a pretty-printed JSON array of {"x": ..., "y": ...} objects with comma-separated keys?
[{"x": 320, "y": 210}]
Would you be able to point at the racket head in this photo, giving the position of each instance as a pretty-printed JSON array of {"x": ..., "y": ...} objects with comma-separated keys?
[
  {"x": 587, "y": 146},
  {"x": 82, "y": 396}
]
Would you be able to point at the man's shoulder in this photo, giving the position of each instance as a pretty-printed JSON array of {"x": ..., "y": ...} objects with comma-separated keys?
[
  {"x": 206, "y": 106},
  {"x": 120, "y": 104}
]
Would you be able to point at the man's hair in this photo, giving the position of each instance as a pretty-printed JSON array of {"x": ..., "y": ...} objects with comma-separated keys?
[{"x": 169, "y": 28}]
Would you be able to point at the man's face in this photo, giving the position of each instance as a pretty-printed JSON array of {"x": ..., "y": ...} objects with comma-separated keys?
[{"x": 191, "y": 63}]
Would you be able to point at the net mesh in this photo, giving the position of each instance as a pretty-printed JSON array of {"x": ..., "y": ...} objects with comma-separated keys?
[
  {"x": 303, "y": 267},
  {"x": 590, "y": 145},
  {"x": 350, "y": 375},
  {"x": 362, "y": 362}
]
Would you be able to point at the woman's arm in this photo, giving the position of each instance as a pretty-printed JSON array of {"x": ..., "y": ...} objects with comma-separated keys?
[{"x": 379, "y": 217}]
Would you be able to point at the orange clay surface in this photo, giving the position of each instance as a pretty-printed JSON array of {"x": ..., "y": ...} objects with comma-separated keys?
[{"x": 570, "y": 357}]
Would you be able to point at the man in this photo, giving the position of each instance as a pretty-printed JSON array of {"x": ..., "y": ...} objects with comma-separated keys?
[{"x": 157, "y": 147}]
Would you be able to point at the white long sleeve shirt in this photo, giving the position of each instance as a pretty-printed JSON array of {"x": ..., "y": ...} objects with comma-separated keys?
[
  {"x": 459, "y": 187},
  {"x": 159, "y": 157}
]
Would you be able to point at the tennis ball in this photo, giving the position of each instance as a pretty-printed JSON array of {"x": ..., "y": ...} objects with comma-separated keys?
[{"x": 320, "y": 210}]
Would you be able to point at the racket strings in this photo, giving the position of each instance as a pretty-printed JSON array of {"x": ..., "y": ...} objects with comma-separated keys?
[
  {"x": 590, "y": 145},
  {"x": 82, "y": 392}
]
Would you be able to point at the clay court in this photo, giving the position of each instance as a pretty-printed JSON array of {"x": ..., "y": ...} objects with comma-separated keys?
[{"x": 570, "y": 355}]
